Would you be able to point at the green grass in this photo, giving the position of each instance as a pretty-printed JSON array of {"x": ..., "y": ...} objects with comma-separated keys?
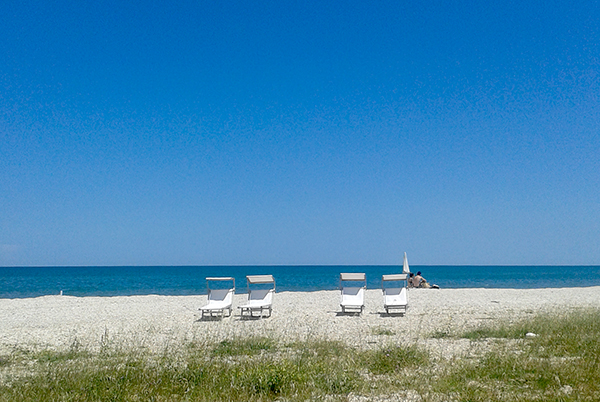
[
  {"x": 440, "y": 334},
  {"x": 253, "y": 369},
  {"x": 562, "y": 363},
  {"x": 382, "y": 331},
  {"x": 244, "y": 346},
  {"x": 394, "y": 359}
]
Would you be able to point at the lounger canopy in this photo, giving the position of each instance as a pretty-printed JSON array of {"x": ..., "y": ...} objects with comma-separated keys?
[
  {"x": 260, "y": 300},
  {"x": 345, "y": 276},
  {"x": 394, "y": 277},
  {"x": 255, "y": 279},
  {"x": 395, "y": 293},
  {"x": 219, "y": 300},
  {"x": 353, "y": 296},
  {"x": 220, "y": 278}
]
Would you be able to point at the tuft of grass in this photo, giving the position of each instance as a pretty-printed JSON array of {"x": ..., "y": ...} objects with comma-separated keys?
[
  {"x": 322, "y": 349},
  {"x": 382, "y": 331},
  {"x": 47, "y": 356},
  {"x": 496, "y": 332},
  {"x": 5, "y": 361},
  {"x": 244, "y": 346},
  {"x": 393, "y": 359},
  {"x": 440, "y": 334}
]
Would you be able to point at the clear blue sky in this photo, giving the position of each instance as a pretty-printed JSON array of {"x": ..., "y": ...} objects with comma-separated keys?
[{"x": 294, "y": 132}]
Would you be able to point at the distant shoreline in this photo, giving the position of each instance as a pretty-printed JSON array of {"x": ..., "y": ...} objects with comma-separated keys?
[{"x": 244, "y": 292}]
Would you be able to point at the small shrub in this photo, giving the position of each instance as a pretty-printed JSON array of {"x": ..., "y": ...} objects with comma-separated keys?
[
  {"x": 440, "y": 334},
  {"x": 382, "y": 331},
  {"x": 271, "y": 378},
  {"x": 244, "y": 346},
  {"x": 338, "y": 382},
  {"x": 392, "y": 359},
  {"x": 49, "y": 356}
]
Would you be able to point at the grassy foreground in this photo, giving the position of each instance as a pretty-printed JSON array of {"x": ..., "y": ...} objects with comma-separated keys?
[{"x": 560, "y": 363}]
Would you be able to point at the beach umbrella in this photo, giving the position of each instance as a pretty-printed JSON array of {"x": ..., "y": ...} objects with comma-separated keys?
[{"x": 405, "y": 268}]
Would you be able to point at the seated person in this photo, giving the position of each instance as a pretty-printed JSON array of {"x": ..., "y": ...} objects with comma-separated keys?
[
  {"x": 419, "y": 281},
  {"x": 411, "y": 278}
]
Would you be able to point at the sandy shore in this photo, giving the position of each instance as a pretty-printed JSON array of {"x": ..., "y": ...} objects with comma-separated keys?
[{"x": 156, "y": 322}]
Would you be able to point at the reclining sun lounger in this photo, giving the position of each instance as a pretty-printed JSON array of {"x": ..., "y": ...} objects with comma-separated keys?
[
  {"x": 219, "y": 300},
  {"x": 353, "y": 288},
  {"x": 395, "y": 295},
  {"x": 260, "y": 299}
]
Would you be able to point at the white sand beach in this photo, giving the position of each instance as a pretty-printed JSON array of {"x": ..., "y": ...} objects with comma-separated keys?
[{"x": 157, "y": 322}]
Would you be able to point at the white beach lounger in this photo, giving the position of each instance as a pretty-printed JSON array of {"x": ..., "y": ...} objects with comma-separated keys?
[
  {"x": 353, "y": 297},
  {"x": 259, "y": 300},
  {"x": 219, "y": 300},
  {"x": 395, "y": 297}
]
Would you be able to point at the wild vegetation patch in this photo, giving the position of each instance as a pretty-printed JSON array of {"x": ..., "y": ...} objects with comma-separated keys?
[{"x": 560, "y": 363}]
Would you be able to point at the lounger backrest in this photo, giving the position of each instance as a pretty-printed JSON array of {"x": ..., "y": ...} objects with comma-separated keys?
[
  {"x": 352, "y": 291},
  {"x": 396, "y": 296},
  {"x": 261, "y": 294},
  {"x": 404, "y": 295},
  {"x": 221, "y": 294},
  {"x": 394, "y": 281},
  {"x": 392, "y": 291},
  {"x": 353, "y": 294}
]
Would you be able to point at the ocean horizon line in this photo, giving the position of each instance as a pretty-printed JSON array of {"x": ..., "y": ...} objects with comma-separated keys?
[{"x": 298, "y": 265}]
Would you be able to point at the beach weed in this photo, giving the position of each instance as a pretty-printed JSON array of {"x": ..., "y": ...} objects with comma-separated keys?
[
  {"x": 562, "y": 363},
  {"x": 392, "y": 359},
  {"x": 50, "y": 356},
  {"x": 497, "y": 332},
  {"x": 321, "y": 348},
  {"x": 244, "y": 346},
  {"x": 440, "y": 334},
  {"x": 382, "y": 331},
  {"x": 142, "y": 376},
  {"x": 271, "y": 378},
  {"x": 5, "y": 361},
  {"x": 339, "y": 382},
  {"x": 501, "y": 375}
]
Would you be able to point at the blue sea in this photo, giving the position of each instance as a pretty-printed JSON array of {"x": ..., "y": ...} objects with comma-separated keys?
[{"x": 21, "y": 282}]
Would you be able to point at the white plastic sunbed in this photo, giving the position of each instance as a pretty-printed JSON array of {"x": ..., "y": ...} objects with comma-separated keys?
[
  {"x": 219, "y": 300},
  {"x": 353, "y": 296},
  {"x": 259, "y": 299},
  {"x": 395, "y": 297}
]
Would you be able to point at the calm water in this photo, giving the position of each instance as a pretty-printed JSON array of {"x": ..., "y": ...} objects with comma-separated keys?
[{"x": 19, "y": 282}]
